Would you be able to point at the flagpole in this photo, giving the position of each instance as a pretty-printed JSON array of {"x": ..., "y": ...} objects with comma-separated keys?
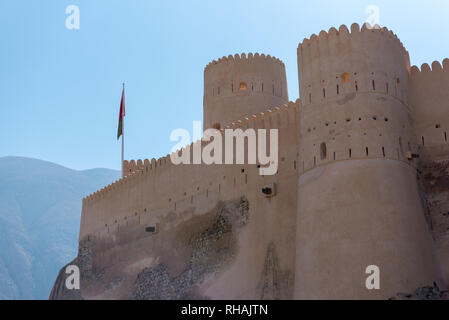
[{"x": 123, "y": 134}]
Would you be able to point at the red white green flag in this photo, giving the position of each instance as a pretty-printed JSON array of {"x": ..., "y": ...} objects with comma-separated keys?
[{"x": 121, "y": 115}]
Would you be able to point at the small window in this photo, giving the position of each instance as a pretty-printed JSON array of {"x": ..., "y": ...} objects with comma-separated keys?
[
  {"x": 243, "y": 86},
  {"x": 150, "y": 229},
  {"x": 323, "y": 151},
  {"x": 437, "y": 126},
  {"x": 345, "y": 77},
  {"x": 400, "y": 146}
]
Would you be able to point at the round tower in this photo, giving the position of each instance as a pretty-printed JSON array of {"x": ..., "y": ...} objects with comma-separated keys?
[
  {"x": 240, "y": 85},
  {"x": 359, "y": 203}
]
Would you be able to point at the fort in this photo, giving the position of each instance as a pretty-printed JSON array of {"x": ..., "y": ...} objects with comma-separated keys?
[{"x": 362, "y": 179}]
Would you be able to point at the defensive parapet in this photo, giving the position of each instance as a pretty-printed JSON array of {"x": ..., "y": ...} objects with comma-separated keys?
[
  {"x": 429, "y": 92},
  {"x": 339, "y": 62},
  {"x": 116, "y": 201},
  {"x": 359, "y": 202},
  {"x": 241, "y": 85}
]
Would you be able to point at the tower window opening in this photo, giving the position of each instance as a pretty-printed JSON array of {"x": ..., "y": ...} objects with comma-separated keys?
[
  {"x": 323, "y": 151},
  {"x": 243, "y": 86},
  {"x": 400, "y": 146},
  {"x": 437, "y": 126},
  {"x": 445, "y": 136},
  {"x": 334, "y": 155},
  {"x": 366, "y": 150},
  {"x": 273, "y": 88},
  {"x": 374, "y": 118},
  {"x": 422, "y": 139},
  {"x": 383, "y": 151},
  {"x": 398, "y": 81},
  {"x": 386, "y": 119},
  {"x": 348, "y": 119},
  {"x": 310, "y": 98},
  {"x": 252, "y": 86},
  {"x": 232, "y": 87},
  {"x": 356, "y": 86},
  {"x": 262, "y": 86},
  {"x": 324, "y": 92},
  {"x": 386, "y": 85},
  {"x": 314, "y": 161},
  {"x": 374, "y": 85},
  {"x": 409, "y": 146},
  {"x": 350, "y": 153},
  {"x": 294, "y": 164},
  {"x": 338, "y": 89},
  {"x": 345, "y": 77}
]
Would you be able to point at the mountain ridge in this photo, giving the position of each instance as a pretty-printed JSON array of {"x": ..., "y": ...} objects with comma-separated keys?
[{"x": 40, "y": 211}]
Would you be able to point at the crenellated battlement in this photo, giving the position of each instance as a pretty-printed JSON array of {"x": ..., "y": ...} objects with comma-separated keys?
[
  {"x": 436, "y": 67},
  {"x": 429, "y": 90},
  {"x": 276, "y": 118},
  {"x": 344, "y": 32},
  {"x": 244, "y": 58},
  {"x": 340, "y": 61}
]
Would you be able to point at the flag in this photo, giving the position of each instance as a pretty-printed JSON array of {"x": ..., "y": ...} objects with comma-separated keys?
[{"x": 121, "y": 115}]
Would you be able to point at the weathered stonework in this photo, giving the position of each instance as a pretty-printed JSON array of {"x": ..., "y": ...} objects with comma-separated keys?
[{"x": 212, "y": 250}]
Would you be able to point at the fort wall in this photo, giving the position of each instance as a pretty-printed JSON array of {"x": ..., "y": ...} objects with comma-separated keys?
[
  {"x": 356, "y": 142},
  {"x": 429, "y": 92},
  {"x": 172, "y": 198}
]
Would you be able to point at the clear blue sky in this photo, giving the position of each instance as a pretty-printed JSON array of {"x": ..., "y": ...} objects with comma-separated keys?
[{"x": 60, "y": 88}]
